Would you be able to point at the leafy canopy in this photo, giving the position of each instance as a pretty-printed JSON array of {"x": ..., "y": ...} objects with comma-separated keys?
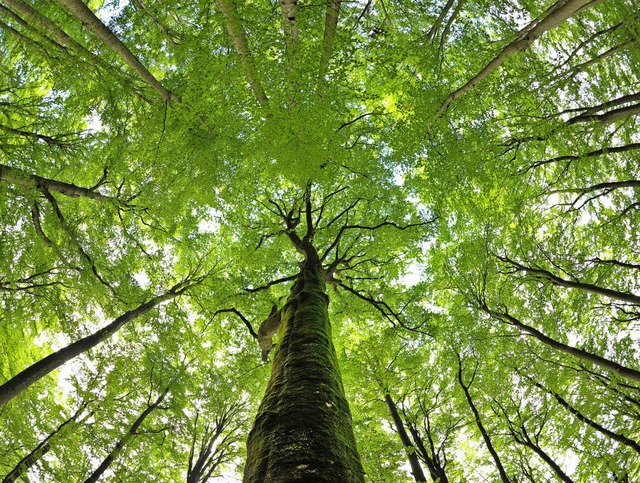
[{"x": 474, "y": 180}]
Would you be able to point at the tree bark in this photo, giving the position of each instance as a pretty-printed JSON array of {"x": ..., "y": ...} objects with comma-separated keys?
[
  {"x": 117, "y": 449},
  {"x": 89, "y": 20},
  {"x": 416, "y": 469},
  {"x": 303, "y": 429},
  {"x": 22, "y": 178},
  {"x": 37, "y": 371}
]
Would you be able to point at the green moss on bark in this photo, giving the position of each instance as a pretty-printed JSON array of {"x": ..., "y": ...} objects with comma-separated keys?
[{"x": 303, "y": 429}]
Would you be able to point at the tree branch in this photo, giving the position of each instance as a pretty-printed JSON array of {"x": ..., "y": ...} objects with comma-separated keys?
[
  {"x": 242, "y": 317},
  {"x": 23, "y": 178},
  {"x": 587, "y": 287}
]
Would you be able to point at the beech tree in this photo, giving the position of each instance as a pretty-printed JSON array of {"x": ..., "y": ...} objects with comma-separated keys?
[{"x": 336, "y": 241}]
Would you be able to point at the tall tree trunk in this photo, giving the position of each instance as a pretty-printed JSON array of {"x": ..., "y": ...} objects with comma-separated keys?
[
  {"x": 431, "y": 460},
  {"x": 416, "y": 469},
  {"x": 303, "y": 429},
  {"x": 38, "y": 370}
]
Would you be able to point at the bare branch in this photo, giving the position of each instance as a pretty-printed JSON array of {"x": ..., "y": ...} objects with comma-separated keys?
[
  {"x": 609, "y": 186},
  {"x": 270, "y": 284},
  {"x": 608, "y": 53},
  {"x": 242, "y": 317},
  {"x": 362, "y": 116},
  {"x": 382, "y": 307},
  {"x": 607, "y": 117}
]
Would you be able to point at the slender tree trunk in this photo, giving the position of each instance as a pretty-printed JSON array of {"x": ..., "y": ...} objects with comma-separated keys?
[
  {"x": 483, "y": 431},
  {"x": 416, "y": 469},
  {"x": 431, "y": 460},
  {"x": 606, "y": 364},
  {"x": 39, "y": 451},
  {"x": 37, "y": 371},
  {"x": 89, "y": 20},
  {"x": 117, "y": 449},
  {"x": 303, "y": 429},
  {"x": 23, "y": 178}
]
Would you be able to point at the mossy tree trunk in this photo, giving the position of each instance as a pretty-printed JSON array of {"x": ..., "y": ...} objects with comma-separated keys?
[{"x": 303, "y": 430}]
